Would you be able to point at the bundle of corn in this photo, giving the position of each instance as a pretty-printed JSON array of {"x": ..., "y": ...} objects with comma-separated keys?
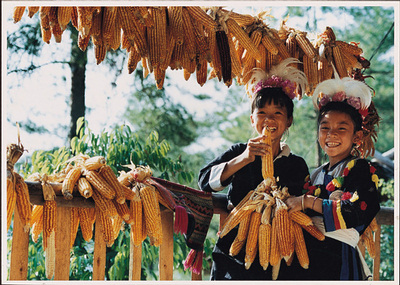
[
  {"x": 190, "y": 38},
  {"x": 17, "y": 190},
  {"x": 264, "y": 224}
]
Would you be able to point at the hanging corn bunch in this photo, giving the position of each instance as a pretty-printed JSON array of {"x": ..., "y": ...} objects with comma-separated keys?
[{"x": 189, "y": 38}]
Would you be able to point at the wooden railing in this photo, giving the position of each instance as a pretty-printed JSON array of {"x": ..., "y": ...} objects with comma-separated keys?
[{"x": 20, "y": 239}]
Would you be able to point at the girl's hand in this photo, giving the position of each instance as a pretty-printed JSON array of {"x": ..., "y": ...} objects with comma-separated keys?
[
  {"x": 255, "y": 146},
  {"x": 294, "y": 203}
]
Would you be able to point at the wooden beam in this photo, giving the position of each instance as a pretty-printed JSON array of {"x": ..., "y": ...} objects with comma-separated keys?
[
  {"x": 19, "y": 250},
  {"x": 166, "y": 257}
]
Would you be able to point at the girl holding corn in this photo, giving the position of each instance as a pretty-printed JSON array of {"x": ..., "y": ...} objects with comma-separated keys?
[
  {"x": 341, "y": 195},
  {"x": 240, "y": 167}
]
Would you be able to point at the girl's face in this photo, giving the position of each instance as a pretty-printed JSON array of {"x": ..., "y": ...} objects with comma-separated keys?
[
  {"x": 273, "y": 116},
  {"x": 336, "y": 135}
]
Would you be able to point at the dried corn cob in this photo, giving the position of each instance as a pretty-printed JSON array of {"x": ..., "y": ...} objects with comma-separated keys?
[
  {"x": 84, "y": 187},
  {"x": 269, "y": 44},
  {"x": 252, "y": 239},
  {"x": 224, "y": 55},
  {"x": 330, "y": 34},
  {"x": 349, "y": 48},
  {"x": 267, "y": 160},
  {"x": 69, "y": 182},
  {"x": 32, "y": 10},
  {"x": 107, "y": 227},
  {"x": 201, "y": 72},
  {"x": 54, "y": 24},
  {"x": 236, "y": 247},
  {"x": 74, "y": 17},
  {"x": 64, "y": 16},
  {"x": 86, "y": 222},
  {"x": 292, "y": 47},
  {"x": 49, "y": 220},
  {"x": 105, "y": 205},
  {"x": 339, "y": 63},
  {"x": 255, "y": 37},
  {"x": 300, "y": 218},
  {"x": 305, "y": 44},
  {"x": 109, "y": 176},
  {"x": 367, "y": 239},
  {"x": 117, "y": 226},
  {"x": 74, "y": 225},
  {"x": 151, "y": 210},
  {"x": 83, "y": 42},
  {"x": 311, "y": 70},
  {"x": 264, "y": 244},
  {"x": 216, "y": 61},
  {"x": 239, "y": 206},
  {"x": 244, "y": 228},
  {"x": 123, "y": 210},
  {"x": 100, "y": 184},
  {"x": 136, "y": 210},
  {"x": 285, "y": 235},
  {"x": 314, "y": 231},
  {"x": 235, "y": 60},
  {"x": 17, "y": 13},
  {"x": 374, "y": 225},
  {"x": 108, "y": 22},
  {"x": 243, "y": 38},
  {"x": 351, "y": 61},
  {"x": 263, "y": 62},
  {"x": 45, "y": 28},
  {"x": 300, "y": 246},
  {"x": 189, "y": 37},
  {"x": 241, "y": 19},
  {"x": 175, "y": 18},
  {"x": 37, "y": 222},
  {"x": 94, "y": 163},
  {"x": 200, "y": 15},
  {"x": 11, "y": 197},
  {"x": 275, "y": 255},
  {"x": 23, "y": 203},
  {"x": 85, "y": 16}
]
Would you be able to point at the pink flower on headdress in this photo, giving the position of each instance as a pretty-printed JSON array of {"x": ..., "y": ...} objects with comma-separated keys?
[
  {"x": 324, "y": 100},
  {"x": 354, "y": 102},
  {"x": 274, "y": 81},
  {"x": 339, "y": 96}
]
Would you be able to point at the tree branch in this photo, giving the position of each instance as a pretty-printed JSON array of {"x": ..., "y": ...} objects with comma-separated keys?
[{"x": 34, "y": 67}]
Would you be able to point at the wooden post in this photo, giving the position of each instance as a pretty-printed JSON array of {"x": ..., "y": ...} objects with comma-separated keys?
[
  {"x": 99, "y": 256},
  {"x": 19, "y": 250},
  {"x": 166, "y": 258},
  {"x": 377, "y": 259},
  {"x": 63, "y": 234},
  {"x": 135, "y": 261}
]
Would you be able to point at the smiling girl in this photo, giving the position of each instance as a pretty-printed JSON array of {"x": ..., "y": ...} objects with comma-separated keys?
[
  {"x": 341, "y": 194},
  {"x": 239, "y": 168}
]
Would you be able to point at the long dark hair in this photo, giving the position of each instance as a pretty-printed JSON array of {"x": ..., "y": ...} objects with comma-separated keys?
[{"x": 275, "y": 95}]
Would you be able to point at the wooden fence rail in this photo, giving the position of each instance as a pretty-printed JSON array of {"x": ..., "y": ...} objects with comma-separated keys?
[{"x": 20, "y": 239}]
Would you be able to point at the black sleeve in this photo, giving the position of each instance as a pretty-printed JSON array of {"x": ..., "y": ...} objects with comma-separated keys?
[
  {"x": 204, "y": 175},
  {"x": 358, "y": 214}
]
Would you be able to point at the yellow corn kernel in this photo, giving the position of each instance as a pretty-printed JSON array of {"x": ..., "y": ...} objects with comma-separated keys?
[
  {"x": 243, "y": 38},
  {"x": 201, "y": 16},
  {"x": 37, "y": 222},
  {"x": 236, "y": 246},
  {"x": 151, "y": 210},
  {"x": 264, "y": 244},
  {"x": 84, "y": 187},
  {"x": 301, "y": 218},
  {"x": 94, "y": 163},
  {"x": 285, "y": 235},
  {"x": 69, "y": 182},
  {"x": 175, "y": 18},
  {"x": 339, "y": 62},
  {"x": 32, "y": 10},
  {"x": 315, "y": 232},
  {"x": 252, "y": 239},
  {"x": 275, "y": 255},
  {"x": 107, "y": 173},
  {"x": 105, "y": 205},
  {"x": 269, "y": 44},
  {"x": 122, "y": 209},
  {"x": 100, "y": 184},
  {"x": 11, "y": 199},
  {"x": 107, "y": 227},
  {"x": 305, "y": 44},
  {"x": 86, "y": 222},
  {"x": 243, "y": 229},
  {"x": 49, "y": 220},
  {"x": 23, "y": 203},
  {"x": 74, "y": 225},
  {"x": 64, "y": 16},
  {"x": 267, "y": 160},
  {"x": 300, "y": 246}
]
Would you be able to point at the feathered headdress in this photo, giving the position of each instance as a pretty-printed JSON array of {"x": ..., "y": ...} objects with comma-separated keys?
[
  {"x": 358, "y": 95},
  {"x": 292, "y": 81}
]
